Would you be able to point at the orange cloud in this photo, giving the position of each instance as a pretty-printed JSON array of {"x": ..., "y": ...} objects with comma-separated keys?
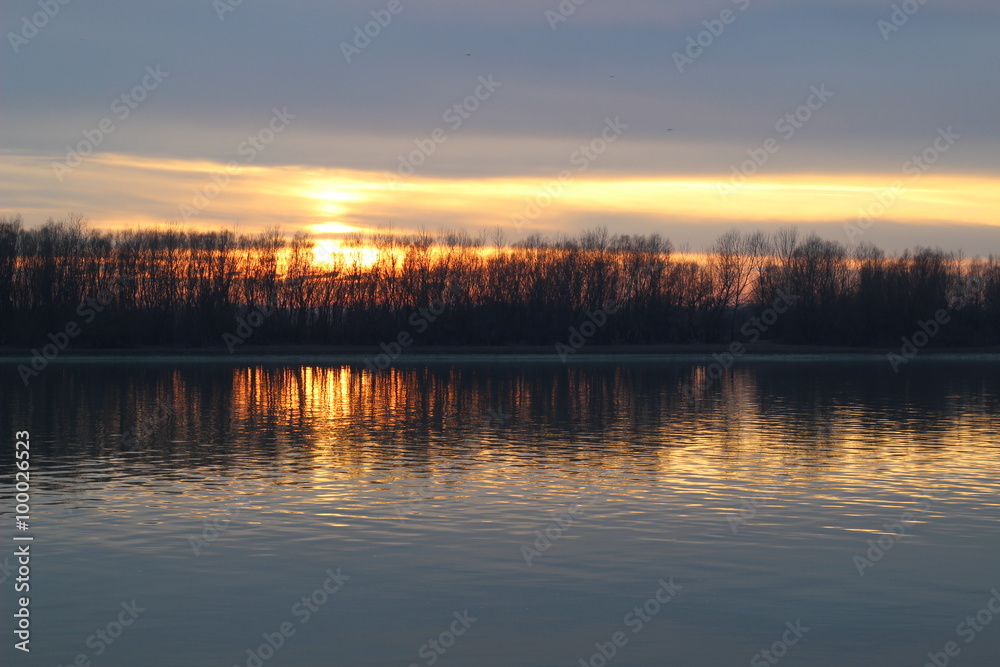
[{"x": 120, "y": 190}]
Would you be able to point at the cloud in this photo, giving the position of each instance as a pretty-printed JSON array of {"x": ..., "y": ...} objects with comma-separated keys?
[
  {"x": 124, "y": 191},
  {"x": 608, "y": 59}
]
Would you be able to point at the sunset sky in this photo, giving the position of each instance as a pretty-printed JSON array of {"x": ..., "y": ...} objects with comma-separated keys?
[{"x": 641, "y": 115}]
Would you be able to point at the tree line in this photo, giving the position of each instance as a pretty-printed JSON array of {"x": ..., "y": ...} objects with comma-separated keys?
[{"x": 181, "y": 287}]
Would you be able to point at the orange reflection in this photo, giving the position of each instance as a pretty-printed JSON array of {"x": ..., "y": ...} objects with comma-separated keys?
[
  {"x": 521, "y": 430},
  {"x": 598, "y": 419}
]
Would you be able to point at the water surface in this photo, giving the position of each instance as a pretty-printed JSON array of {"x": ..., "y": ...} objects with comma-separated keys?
[{"x": 217, "y": 495}]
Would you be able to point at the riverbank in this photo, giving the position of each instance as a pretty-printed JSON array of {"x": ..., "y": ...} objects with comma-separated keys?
[{"x": 363, "y": 354}]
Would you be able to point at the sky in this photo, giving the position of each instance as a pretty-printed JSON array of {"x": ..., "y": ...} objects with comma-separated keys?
[{"x": 864, "y": 121}]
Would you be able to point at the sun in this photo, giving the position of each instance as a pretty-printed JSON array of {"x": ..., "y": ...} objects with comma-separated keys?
[
  {"x": 325, "y": 251},
  {"x": 333, "y": 228},
  {"x": 332, "y": 252}
]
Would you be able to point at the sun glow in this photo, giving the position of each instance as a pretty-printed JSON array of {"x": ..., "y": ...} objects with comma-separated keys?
[
  {"x": 333, "y": 228},
  {"x": 333, "y": 198},
  {"x": 334, "y": 203},
  {"x": 328, "y": 253}
]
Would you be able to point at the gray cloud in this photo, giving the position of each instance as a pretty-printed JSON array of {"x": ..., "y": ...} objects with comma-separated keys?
[{"x": 607, "y": 59}]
